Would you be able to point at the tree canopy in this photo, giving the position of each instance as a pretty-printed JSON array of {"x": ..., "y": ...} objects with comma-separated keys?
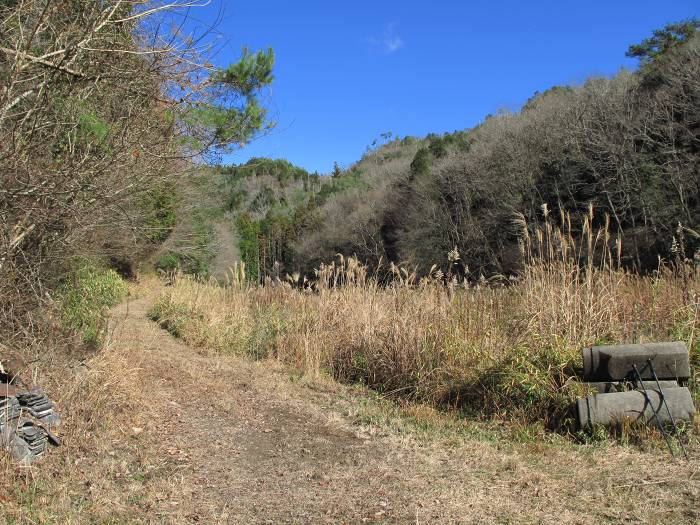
[{"x": 663, "y": 40}]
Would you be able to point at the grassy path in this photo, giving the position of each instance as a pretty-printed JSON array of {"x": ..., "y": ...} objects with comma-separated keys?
[{"x": 226, "y": 249}]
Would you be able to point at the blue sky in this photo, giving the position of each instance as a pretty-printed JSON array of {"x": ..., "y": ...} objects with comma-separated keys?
[{"x": 348, "y": 71}]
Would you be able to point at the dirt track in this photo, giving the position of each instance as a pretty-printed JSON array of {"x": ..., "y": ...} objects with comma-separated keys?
[
  {"x": 225, "y": 248},
  {"x": 244, "y": 443}
]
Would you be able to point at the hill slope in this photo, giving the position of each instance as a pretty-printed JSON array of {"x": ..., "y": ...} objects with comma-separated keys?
[{"x": 624, "y": 150}]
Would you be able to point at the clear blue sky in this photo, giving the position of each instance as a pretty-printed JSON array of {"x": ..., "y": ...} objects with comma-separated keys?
[{"x": 348, "y": 71}]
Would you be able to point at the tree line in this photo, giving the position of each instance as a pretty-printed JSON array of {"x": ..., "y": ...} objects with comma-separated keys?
[{"x": 626, "y": 147}]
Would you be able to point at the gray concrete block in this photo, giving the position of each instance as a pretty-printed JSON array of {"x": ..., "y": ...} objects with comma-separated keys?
[
  {"x": 615, "y": 363},
  {"x": 607, "y": 409}
]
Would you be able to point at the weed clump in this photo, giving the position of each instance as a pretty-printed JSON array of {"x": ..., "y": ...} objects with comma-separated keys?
[{"x": 85, "y": 297}]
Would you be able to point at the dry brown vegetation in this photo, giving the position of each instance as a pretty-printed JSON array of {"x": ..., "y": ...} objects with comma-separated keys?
[
  {"x": 493, "y": 349},
  {"x": 627, "y": 144},
  {"x": 100, "y": 402},
  {"x": 158, "y": 432}
]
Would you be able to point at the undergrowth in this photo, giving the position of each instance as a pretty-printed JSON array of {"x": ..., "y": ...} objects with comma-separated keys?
[
  {"x": 249, "y": 331},
  {"x": 505, "y": 352},
  {"x": 85, "y": 297},
  {"x": 488, "y": 352}
]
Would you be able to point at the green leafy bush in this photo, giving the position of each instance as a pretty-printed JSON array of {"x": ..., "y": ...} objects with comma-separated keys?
[
  {"x": 195, "y": 264},
  {"x": 249, "y": 229},
  {"x": 86, "y": 296},
  {"x": 160, "y": 204}
]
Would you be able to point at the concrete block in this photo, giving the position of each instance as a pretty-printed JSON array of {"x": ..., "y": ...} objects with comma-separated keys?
[
  {"x": 615, "y": 363},
  {"x": 607, "y": 409}
]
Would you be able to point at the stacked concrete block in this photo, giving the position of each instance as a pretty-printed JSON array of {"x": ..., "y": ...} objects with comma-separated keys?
[
  {"x": 39, "y": 406},
  {"x": 636, "y": 405},
  {"x": 616, "y": 363},
  {"x": 35, "y": 437},
  {"x": 10, "y": 412},
  {"x": 614, "y": 373}
]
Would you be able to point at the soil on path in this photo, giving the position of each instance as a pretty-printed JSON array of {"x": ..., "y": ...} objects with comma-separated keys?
[
  {"x": 226, "y": 249},
  {"x": 243, "y": 442}
]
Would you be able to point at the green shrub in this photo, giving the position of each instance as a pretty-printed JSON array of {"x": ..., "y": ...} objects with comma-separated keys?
[
  {"x": 421, "y": 162},
  {"x": 195, "y": 253},
  {"x": 168, "y": 261},
  {"x": 160, "y": 205},
  {"x": 86, "y": 296},
  {"x": 249, "y": 230},
  {"x": 195, "y": 264},
  {"x": 92, "y": 128},
  {"x": 170, "y": 316}
]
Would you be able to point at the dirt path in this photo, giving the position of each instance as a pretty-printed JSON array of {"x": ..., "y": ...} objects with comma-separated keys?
[
  {"x": 241, "y": 442},
  {"x": 225, "y": 248}
]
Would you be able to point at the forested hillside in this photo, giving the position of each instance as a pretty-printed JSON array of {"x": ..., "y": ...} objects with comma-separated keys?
[{"x": 625, "y": 149}]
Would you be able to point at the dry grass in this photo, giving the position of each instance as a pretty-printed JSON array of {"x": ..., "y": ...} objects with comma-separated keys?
[
  {"x": 98, "y": 475},
  {"x": 277, "y": 450},
  {"x": 506, "y": 352},
  {"x": 493, "y": 350}
]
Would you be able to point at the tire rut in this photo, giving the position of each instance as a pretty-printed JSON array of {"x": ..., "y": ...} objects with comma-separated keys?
[{"x": 248, "y": 445}]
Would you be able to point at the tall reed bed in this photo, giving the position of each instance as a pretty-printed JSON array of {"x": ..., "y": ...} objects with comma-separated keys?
[{"x": 492, "y": 349}]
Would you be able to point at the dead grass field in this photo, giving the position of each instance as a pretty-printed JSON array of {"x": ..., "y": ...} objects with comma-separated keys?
[
  {"x": 161, "y": 432},
  {"x": 509, "y": 352}
]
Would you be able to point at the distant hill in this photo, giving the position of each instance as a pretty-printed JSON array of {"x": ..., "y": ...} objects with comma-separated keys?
[{"x": 623, "y": 148}]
